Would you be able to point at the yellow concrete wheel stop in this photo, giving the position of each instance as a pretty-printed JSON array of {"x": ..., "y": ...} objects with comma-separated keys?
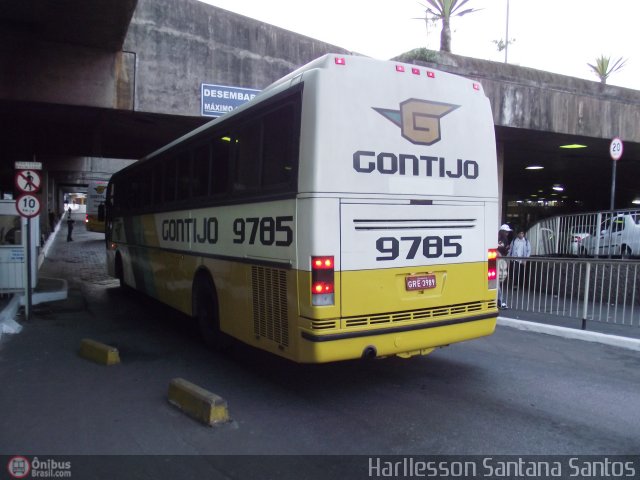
[
  {"x": 198, "y": 403},
  {"x": 99, "y": 352}
]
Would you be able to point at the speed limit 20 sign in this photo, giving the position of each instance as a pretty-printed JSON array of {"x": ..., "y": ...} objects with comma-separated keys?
[
  {"x": 28, "y": 205},
  {"x": 616, "y": 148}
]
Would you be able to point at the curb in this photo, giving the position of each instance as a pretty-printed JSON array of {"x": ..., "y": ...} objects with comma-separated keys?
[
  {"x": 58, "y": 290},
  {"x": 595, "y": 337}
]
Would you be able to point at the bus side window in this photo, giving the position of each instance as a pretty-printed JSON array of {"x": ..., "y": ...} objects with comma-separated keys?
[
  {"x": 145, "y": 188},
  {"x": 184, "y": 176},
  {"x": 132, "y": 193},
  {"x": 157, "y": 184},
  {"x": 280, "y": 147},
  {"x": 201, "y": 169},
  {"x": 247, "y": 156},
  {"x": 169, "y": 180},
  {"x": 220, "y": 149}
]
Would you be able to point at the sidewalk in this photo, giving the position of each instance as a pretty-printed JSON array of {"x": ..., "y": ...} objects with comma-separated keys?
[
  {"x": 630, "y": 331},
  {"x": 66, "y": 266}
]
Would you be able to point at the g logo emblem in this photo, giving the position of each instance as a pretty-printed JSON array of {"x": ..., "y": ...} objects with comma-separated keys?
[{"x": 419, "y": 120}]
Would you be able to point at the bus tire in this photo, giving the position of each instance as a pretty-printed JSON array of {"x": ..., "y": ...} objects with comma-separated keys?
[{"x": 205, "y": 311}]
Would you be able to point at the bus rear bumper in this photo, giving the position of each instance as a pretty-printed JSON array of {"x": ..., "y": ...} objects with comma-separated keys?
[{"x": 404, "y": 341}]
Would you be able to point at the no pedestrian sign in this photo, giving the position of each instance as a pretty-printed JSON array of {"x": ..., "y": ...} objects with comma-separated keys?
[
  {"x": 28, "y": 181},
  {"x": 28, "y": 205}
]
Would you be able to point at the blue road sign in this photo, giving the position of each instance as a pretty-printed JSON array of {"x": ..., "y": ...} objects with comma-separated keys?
[{"x": 217, "y": 100}]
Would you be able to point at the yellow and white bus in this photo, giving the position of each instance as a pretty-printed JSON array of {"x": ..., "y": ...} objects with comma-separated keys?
[
  {"x": 350, "y": 210},
  {"x": 95, "y": 215}
]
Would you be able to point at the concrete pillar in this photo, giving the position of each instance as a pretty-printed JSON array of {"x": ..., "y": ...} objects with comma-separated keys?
[{"x": 500, "y": 155}]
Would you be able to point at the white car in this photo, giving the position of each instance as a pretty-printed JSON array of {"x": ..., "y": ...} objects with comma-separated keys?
[
  {"x": 575, "y": 242},
  {"x": 619, "y": 235}
]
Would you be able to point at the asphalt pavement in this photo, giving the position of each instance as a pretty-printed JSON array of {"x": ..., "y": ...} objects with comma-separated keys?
[{"x": 514, "y": 392}]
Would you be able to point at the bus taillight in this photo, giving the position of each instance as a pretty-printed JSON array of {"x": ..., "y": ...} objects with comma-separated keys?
[
  {"x": 492, "y": 268},
  {"x": 322, "y": 281},
  {"x": 86, "y": 218}
]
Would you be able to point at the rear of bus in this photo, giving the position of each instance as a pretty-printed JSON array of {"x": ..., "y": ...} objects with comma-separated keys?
[
  {"x": 96, "y": 196},
  {"x": 397, "y": 210}
]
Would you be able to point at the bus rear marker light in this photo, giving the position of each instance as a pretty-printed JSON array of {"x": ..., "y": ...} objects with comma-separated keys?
[
  {"x": 322, "y": 281},
  {"x": 492, "y": 267}
]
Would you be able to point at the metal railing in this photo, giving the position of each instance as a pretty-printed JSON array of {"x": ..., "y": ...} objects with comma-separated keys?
[
  {"x": 588, "y": 289},
  {"x": 595, "y": 233}
]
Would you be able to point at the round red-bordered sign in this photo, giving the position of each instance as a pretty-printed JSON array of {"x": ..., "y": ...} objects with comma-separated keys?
[
  {"x": 28, "y": 181},
  {"x": 28, "y": 205},
  {"x": 616, "y": 148},
  {"x": 19, "y": 467}
]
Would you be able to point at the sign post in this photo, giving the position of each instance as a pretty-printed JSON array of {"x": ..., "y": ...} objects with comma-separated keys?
[
  {"x": 28, "y": 182},
  {"x": 615, "y": 150}
]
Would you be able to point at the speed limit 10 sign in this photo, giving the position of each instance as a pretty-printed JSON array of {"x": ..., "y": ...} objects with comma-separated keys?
[
  {"x": 616, "y": 148},
  {"x": 28, "y": 205}
]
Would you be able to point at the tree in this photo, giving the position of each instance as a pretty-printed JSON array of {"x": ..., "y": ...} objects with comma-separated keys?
[
  {"x": 443, "y": 10},
  {"x": 602, "y": 68}
]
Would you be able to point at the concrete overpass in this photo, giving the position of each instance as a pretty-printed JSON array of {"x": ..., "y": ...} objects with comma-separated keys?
[{"x": 84, "y": 81}]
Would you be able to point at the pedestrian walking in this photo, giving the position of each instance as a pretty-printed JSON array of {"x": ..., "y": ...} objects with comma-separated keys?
[
  {"x": 503, "y": 251},
  {"x": 70, "y": 223}
]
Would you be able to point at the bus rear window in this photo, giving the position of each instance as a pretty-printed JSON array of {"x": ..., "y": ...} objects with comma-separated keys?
[{"x": 279, "y": 147}]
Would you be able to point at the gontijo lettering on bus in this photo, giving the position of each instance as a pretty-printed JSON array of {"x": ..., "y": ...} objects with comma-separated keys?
[{"x": 419, "y": 122}]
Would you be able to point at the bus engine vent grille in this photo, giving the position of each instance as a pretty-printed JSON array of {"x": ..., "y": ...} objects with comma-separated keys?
[
  {"x": 269, "y": 295},
  {"x": 418, "y": 315}
]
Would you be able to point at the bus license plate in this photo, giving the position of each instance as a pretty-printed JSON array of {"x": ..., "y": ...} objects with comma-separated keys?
[{"x": 420, "y": 282}]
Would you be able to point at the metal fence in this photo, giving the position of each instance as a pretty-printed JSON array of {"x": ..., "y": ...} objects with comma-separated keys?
[
  {"x": 607, "y": 233},
  {"x": 588, "y": 289}
]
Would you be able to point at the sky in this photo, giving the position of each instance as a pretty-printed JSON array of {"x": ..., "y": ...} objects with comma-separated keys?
[{"x": 559, "y": 36}]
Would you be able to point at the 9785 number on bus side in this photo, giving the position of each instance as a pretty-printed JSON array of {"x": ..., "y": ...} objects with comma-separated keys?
[
  {"x": 264, "y": 230},
  {"x": 429, "y": 247}
]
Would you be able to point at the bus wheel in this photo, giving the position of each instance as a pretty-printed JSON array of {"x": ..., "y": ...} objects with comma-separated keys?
[
  {"x": 625, "y": 252},
  {"x": 206, "y": 313}
]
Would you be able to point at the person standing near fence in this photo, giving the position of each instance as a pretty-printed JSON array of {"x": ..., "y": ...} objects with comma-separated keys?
[
  {"x": 520, "y": 248},
  {"x": 503, "y": 251}
]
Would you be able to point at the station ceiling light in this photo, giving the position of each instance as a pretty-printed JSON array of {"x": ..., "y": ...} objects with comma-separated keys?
[
  {"x": 636, "y": 201},
  {"x": 534, "y": 167},
  {"x": 558, "y": 188},
  {"x": 573, "y": 146}
]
